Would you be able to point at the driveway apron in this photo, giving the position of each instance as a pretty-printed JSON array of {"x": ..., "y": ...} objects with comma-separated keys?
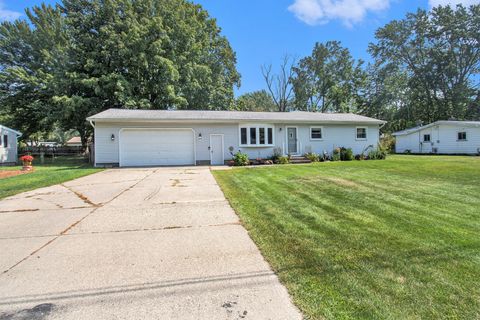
[{"x": 139, "y": 243}]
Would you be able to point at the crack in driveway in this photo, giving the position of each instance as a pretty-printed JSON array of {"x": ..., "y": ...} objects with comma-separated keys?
[{"x": 77, "y": 222}]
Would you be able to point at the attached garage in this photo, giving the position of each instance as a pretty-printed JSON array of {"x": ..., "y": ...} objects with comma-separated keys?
[{"x": 156, "y": 147}]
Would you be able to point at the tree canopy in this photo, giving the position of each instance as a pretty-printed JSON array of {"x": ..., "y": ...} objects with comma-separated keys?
[{"x": 80, "y": 57}]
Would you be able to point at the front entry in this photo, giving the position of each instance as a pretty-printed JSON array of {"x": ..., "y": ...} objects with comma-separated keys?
[
  {"x": 216, "y": 149},
  {"x": 292, "y": 140}
]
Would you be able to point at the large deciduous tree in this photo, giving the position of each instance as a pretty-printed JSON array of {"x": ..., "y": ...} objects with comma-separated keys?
[
  {"x": 439, "y": 51},
  {"x": 255, "y": 101},
  {"x": 328, "y": 80},
  {"x": 152, "y": 54}
]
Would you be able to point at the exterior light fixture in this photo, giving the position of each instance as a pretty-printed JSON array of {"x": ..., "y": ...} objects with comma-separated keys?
[{"x": 112, "y": 137}]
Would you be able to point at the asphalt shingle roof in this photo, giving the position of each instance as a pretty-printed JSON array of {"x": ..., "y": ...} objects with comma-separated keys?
[{"x": 229, "y": 116}]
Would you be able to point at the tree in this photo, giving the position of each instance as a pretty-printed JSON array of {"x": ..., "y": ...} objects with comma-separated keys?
[
  {"x": 30, "y": 57},
  {"x": 255, "y": 101},
  {"x": 328, "y": 80},
  {"x": 85, "y": 56},
  {"x": 439, "y": 52},
  {"x": 280, "y": 85}
]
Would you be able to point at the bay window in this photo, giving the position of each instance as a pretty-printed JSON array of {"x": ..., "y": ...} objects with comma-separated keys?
[{"x": 256, "y": 135}]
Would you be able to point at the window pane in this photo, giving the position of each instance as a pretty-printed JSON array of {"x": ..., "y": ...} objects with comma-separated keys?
[
  {"x": 316, "y": 133},
  {"x": 243, "y": 135},
  {"x": 261, "y": 135},
  {"x": 253, "y": 135},
  {"x": 5, "y": 141},
  {"x": 462, "y": 136},
  {"x": 361, "y": 133},
  {"x": 270, "y": 136},
  {"x": 426, "y": 138}
]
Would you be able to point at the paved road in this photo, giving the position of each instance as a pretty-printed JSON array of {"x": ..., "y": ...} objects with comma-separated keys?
[{"x": 159, "y": 243}]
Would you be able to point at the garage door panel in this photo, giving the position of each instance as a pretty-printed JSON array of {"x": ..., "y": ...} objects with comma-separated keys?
[{"x": 156, "y": 147}]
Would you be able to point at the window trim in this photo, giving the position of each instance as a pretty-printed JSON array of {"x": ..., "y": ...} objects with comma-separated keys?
[
  {"x": 356, "y": 133},
  {"x": 458, "y": 133},
  {"x": 257, "y": 134},
  {"x": 321, "y": 130},
  {"x": 5, "y": 142},
  {"x": 429, "y": 137}
]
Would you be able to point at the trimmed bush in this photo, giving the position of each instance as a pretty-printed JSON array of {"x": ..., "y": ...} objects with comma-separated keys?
[
  {"x": 240, "y": 159},
  {"x": 346, "y": 154}
]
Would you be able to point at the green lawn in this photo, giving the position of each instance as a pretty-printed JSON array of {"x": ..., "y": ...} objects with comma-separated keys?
[
  {"x": 393, "y": 239},
  {"x": 50, "y": 173}
]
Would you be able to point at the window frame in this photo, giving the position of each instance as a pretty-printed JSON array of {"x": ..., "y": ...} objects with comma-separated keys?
[
  {"x": 356, "y": 133},
  {"x": 257, "y": 127},
  {"x": 321, "y": 133},
  {"x": 429, "y": 137},
  {"x": 5, "y": 141},
  {"x": 461, "y": 132}
]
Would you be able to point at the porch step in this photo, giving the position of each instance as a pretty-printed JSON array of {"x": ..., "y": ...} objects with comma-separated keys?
[{"x": 299, "y": 159}]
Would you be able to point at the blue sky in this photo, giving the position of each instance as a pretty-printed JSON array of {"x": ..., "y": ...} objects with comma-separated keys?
[{"x": 263, "y": 31}]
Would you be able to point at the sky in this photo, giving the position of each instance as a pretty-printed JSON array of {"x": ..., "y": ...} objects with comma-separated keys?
[{"x": 262, "y": 32}]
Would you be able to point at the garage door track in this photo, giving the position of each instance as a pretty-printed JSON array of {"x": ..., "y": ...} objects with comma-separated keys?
[{"x": 160, "y": 243}]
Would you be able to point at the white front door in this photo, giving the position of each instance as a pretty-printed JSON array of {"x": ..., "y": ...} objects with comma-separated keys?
[{"x": 216, "y": 149}]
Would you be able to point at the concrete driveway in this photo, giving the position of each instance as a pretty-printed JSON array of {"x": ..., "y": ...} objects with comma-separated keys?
[{"x": 159, "y": 243}]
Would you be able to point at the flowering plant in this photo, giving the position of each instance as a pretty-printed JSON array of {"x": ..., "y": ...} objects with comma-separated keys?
[{"x": 26, "y": 158}]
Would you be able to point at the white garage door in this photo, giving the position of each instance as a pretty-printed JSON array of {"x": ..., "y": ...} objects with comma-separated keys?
[{"x": 156, "y": 147}]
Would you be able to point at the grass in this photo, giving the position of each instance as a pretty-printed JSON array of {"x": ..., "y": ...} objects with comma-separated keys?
[
  {"x": 393, "y": 239},
  {"x": 52, "y": 172}
]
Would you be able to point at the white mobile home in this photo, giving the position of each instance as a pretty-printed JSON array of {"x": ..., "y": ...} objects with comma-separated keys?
[
  {"x": 441, "y": 137},
  {"x": 8, "y": 146},
  {"x": 159, "y": 137}
]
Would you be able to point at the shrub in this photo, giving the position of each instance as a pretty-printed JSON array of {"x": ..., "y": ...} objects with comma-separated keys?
[
  {"x": 336, "y": 154},
  {"x": 283, "y": 160},
  {"x": 346, "y": 154},
  {"x": 377, "y": 154},
  {"x": 387, "y": 143},
  {"x": 240, "y": 159},
  {"x": 312, "y": 156}
]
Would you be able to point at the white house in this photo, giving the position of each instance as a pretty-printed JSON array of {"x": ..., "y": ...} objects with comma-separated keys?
[
  {"x": 443, "y": 137},
  {"x": 160, "y": 137},
  {"x": 8, "y": 146}
]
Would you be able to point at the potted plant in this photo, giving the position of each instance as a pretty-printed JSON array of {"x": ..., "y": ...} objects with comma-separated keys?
[{"x": 27, "y": 162}]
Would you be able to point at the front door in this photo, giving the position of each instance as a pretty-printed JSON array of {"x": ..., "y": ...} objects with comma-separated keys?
[
  {"x": 216, "y": 149},
  {"x": 292, "y": 140}
]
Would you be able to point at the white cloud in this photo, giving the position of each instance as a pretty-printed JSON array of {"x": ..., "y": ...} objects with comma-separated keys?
[
  {"x": 8, "y": 15},
  {"x": 314, "y": 12},
  {"x": 434, "y": 3}
]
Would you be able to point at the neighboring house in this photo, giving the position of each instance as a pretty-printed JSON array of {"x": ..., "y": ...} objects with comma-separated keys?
[
  {"x": 74, "y": 142},
  {"x": 8, "y": 146},
  {"x": 159, "y": 137},
  {"x": 443, "y": 137}
]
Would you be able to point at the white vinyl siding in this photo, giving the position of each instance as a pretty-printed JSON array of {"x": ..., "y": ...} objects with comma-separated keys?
[
  {"x": 107, "y": 151},
  {"x": 444, "y": 139},
  {"x": 8, "y": 146}
]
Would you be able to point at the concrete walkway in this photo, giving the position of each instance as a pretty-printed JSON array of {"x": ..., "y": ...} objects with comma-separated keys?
[{"x": 159, "y": 243}]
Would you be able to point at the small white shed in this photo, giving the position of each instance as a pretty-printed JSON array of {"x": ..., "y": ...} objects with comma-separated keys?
[
  {"x": 440, "y": 137},
  {"x": 8, "y": 146}
]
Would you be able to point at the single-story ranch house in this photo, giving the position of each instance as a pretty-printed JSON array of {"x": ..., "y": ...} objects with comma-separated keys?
[
  {"x": 8, "y": 146},
  {"x": 441, "y": 137},
  {"x": 160, "y": 137}
]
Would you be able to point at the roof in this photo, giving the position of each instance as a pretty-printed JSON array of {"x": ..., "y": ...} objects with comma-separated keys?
[
  {"x": 74, "y": 140},
  {"x": 445, "y": 122},
  {"x": 229, "y": 116},
  {"x": 9, "y": 129}
]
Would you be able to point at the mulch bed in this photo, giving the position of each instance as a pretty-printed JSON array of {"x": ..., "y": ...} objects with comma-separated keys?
[{"x": 12, "y": 173}]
